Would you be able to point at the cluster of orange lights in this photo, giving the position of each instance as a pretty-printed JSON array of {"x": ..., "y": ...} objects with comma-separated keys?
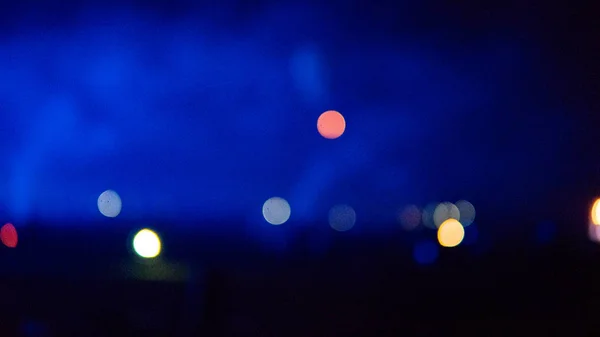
[{"x": 448, "y": 219}]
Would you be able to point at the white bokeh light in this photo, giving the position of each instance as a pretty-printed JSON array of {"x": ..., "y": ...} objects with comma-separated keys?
[
  {"x": 342, "y": 218},
  {"x": 109, "y": 203},
  {"x": 467, "y": 212},
  {"x": 445, "y": 211},
  {"x": 147, "y": 244},
  {"x": 276, "y": 211}
]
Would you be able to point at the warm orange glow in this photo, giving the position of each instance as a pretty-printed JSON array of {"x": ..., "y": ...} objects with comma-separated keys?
[
  {"x": 331, "y": 124},
  {"x": 8, "y": 235},
  {"x": 451, "y": 233},
  {"x": 595, "y": 213}
]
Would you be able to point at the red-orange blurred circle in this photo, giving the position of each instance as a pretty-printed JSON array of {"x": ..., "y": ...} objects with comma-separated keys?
[
  {"x": 8, "y": 235},
  {"x": 331, "y": 124}
]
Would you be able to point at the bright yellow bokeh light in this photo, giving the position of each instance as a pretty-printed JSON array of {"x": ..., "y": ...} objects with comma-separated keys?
[
  {"x": 146, "y": 244},
  {"x": 595, "y": 213},
  {"x": 451, "y": 233}
]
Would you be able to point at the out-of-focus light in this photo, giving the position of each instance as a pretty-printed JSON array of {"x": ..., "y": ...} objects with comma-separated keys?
[
  {"x": 425, "y": 252},
  {"x": 594, "y": 232},
  {"x": 276, "y": 211},
  {"x": 410, "y": 217},
  {"x": 595, "y": 213},
  {"x": 146, "y": 244},
  {"x": 342, "y": 218},
  {"x": 466, "y": 212},
  {"x": 8, "y": 235},
  {"x": 445, "y": 211},
  {"x": 331, "y": 124},
  {"x": 109, "y": 203},
  {"x": 451, "y": 233},
  {"x": 427, "y": 216}
]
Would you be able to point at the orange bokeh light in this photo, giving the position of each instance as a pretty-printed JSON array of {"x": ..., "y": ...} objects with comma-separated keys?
[
  {"x": 451, "y": 233},
  {"x": 8, "y": 235},
  {"x": 331, "y": 124},
  {"x": 595, "y": 212}
]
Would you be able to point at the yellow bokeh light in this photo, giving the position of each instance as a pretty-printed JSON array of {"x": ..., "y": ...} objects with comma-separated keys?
[
  {"x": 595, "y": 213},
  {"x": 451, "y": 233}
]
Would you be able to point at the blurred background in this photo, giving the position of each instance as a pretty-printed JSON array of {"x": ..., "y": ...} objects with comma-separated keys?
[{"x": 298, "y": 168}]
